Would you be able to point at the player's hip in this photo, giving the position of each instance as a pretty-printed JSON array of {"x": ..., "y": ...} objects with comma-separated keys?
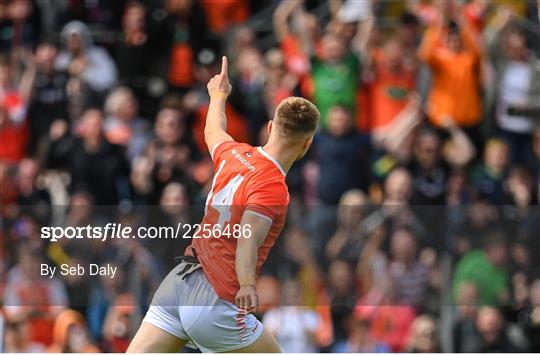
[{"x": 187, "y": 306}]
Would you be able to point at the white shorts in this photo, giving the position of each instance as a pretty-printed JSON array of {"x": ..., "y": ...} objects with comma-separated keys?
[{"x": 191, "y": 310}]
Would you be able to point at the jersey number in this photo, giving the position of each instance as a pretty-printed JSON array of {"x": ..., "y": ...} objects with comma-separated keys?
[{"x": 222, "y": 200}]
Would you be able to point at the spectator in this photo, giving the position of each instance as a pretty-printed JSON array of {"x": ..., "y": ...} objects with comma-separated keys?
[
  {"x": 134, "y": 51},
  {"x": 168, "y": 156},
  {"x": 395, "y": 210},
  {"x": 71, "y": 335},
  {"x": 224, "y": 14},
  {"x": 49, "y": 100},
  {"x": 428, "y": 169},
  {"x": 248, "y": 90},
  {"x": 348, "y": 240},
  {"x": 489, "y": 178},
  {"x": 342, "y": 152},
  {"x": 390, "y": 86},
  {"x": 360, "y": 340},
  {"x": 279, "y": 83},
  {"x": 84, "y": 157},
  {"x": 123, "y": 126},
  {"x": 29, "y": 296},
  {"x": 292, "y": 324},
  {"x": 13, "y": 109},
  {"x": 17, "y": 339},
  {"x": 454, "y": 56},
  {"x": 90, "y": 65},
  {"x": 409, "y": 276},
  {"x": 343, "y": 294},
  {"x": 531, "y": 315},
  {"x": 14, "y": 138},
  {"x": 515, "y": 77},
  {"x": 464, "y": 335},
  {"x": 390, "y": 323},
  {"x": 23, "y": 22},
  {"x": 424, "y": 336},
  {"x": 336, "y": 77},
  {"x": 183, "y": 33},
  {"x": 492, "y": 332},
  {"x": 121, "y": 323},
  {"x": 294, "y": 41},
  {"x": 486, "y": 270},
  {"x": 36, "y": 199}
]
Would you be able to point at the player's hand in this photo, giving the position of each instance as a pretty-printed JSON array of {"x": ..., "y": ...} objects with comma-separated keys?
[
  {"x": 219, "y": 85},
  {"x": 247, "y": 298}
]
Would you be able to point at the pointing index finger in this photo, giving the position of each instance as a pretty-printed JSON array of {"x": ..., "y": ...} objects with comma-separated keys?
[{"x": 224, "y": 66}]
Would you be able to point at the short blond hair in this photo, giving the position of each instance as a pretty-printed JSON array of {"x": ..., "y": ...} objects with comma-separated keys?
[
  {"x": 297, "y": 116},
  {"x": 115, "y": 99}
]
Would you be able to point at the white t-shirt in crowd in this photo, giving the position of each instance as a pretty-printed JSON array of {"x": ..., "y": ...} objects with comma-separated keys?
[
  {"x": 514, "y": 90},
  {"x": 291, "y": 325}
]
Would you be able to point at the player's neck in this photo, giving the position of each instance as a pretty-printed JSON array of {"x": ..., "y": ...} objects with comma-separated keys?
[{"x": 284, "y": 155}]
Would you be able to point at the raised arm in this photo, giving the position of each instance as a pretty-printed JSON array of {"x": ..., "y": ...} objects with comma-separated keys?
[
  {"x": 246, "y": 258},
  {"x": 428, "y": 47},
  {"x": 281, "y": 17},
  {"x": 219, "y": 88}
]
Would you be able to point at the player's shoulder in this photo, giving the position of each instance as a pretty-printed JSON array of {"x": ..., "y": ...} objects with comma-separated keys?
[
  {"x": 255, "y": 160},
  {"x": 227, "y": 147},
  {"x": 269, "y": 175}
]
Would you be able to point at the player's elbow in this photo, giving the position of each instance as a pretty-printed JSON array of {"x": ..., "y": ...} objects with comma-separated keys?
[{"x": 208, "y": 134}]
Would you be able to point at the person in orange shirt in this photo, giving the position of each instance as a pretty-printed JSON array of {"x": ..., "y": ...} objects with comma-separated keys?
[
  {"x": 454, "y": 56},
  {"x": 294, "y": 43},
  {"x": 71, "y": 334},
  {"x": 223, "y": 14},
  {"x": 185, "y": 30},
  {"x": 390, "y": 85}
]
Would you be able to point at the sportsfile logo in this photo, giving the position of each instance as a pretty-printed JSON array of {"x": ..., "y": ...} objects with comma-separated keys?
[
  {"x": 120, "y": 231},
  {"x": 243, "y": 160}
]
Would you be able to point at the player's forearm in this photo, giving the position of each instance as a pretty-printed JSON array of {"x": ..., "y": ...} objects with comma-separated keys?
[
  {"x": 216, "y": 120},
  {"x": 246, "y": 261}
]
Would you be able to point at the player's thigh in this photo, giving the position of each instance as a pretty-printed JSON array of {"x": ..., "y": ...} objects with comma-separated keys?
[
  {"x": 265, "y": 343},
  {"x": 151, "y": 339}
]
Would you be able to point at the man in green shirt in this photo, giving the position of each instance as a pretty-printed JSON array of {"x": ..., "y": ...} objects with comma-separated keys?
[
  {"x": 335, "y": 75},
  {"x": 486, "y": 269}
]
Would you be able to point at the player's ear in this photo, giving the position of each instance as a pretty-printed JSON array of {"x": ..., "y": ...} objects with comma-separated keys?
[
  {"x": 308, "y": 143},
  {"x": 305, "y": 148},
  {"x": 269, "y": 127}
]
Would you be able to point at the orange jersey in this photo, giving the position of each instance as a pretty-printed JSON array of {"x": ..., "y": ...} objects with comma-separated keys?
[{"x": 246, "y": 179}]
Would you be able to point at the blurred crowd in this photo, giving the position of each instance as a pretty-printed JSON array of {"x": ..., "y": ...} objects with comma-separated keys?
[{"x": 413, "y": 220}]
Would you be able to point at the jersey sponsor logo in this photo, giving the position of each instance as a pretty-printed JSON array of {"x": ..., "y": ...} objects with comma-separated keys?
[{"x": 242, "y": 160}]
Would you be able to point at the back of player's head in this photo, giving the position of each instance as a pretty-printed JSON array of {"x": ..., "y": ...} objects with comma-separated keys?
[{"x": 296, "y": 117}]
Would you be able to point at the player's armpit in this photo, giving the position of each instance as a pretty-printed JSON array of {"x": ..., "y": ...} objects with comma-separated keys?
[
  {"x": 248, "y": 245},
  {"x": 214, "y": 139}
]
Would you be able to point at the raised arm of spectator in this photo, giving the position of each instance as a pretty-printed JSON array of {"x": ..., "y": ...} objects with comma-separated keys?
[
  {"x": 281, "y": 17},
  {"x": 492, "y": 33},
  {"x": 428, "y": 46},
  {"x": 463, "y": 149},
  {"x": 470, "y": 39},
  {"x": 404, "y": 123},
  {"x": 100, "y": 73},
  {"x": 334, "y": 6},
  {"x": 219, "y": 88},
  {"x": 27, "y": 79},
  {"x": 363, "y": 40}
]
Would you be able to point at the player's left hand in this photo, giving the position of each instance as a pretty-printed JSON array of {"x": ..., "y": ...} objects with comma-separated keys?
[{"x": 247, "y": 298}]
